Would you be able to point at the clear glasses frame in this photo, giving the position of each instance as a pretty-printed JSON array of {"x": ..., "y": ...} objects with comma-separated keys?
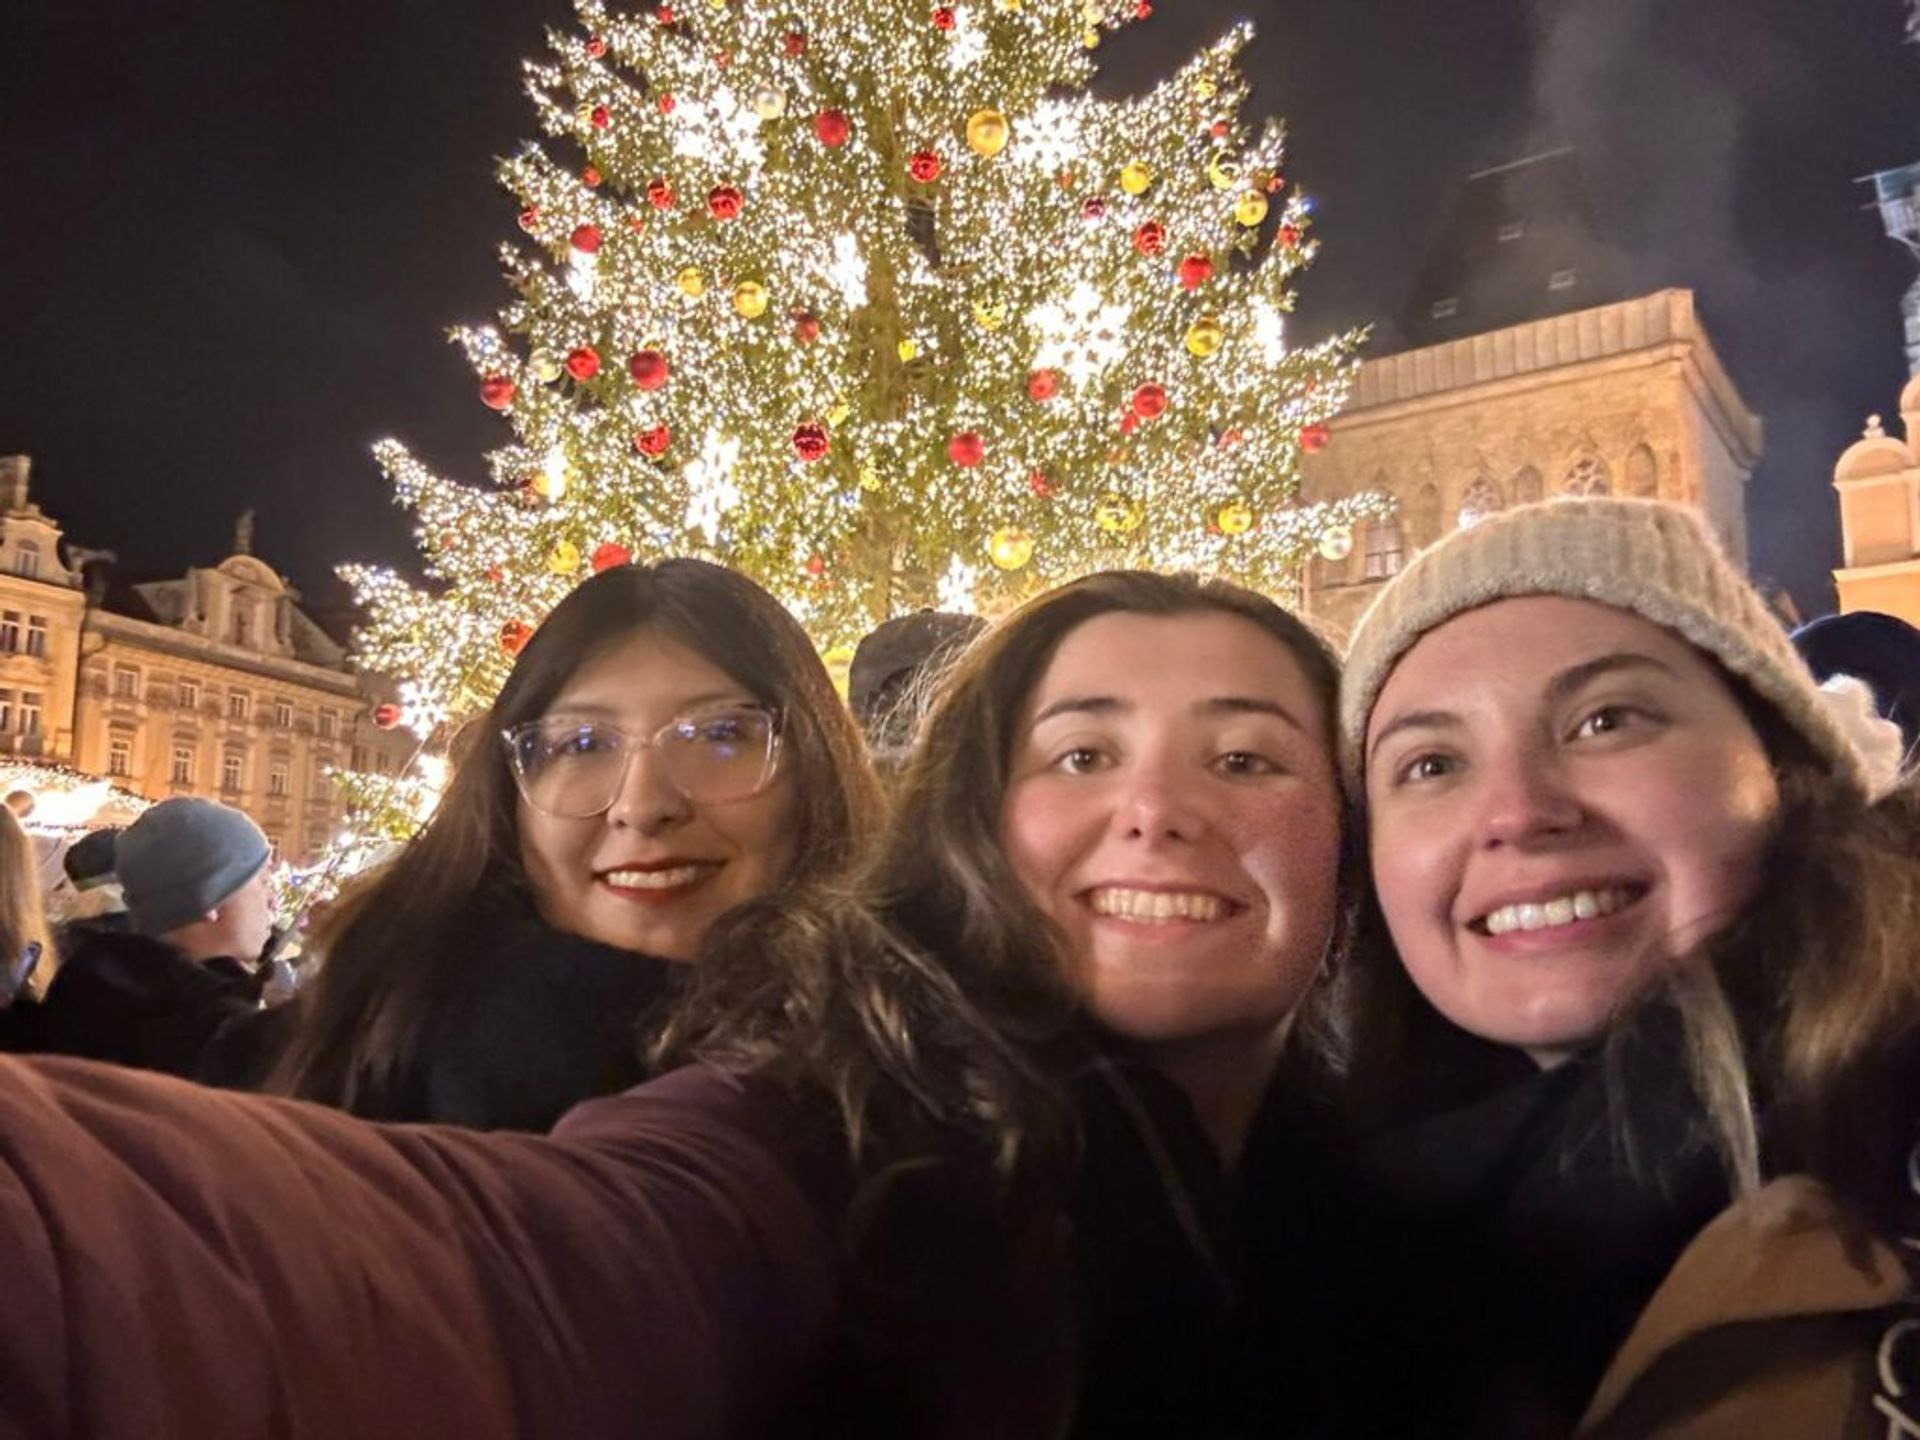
[{"x": 701, "y": 755}]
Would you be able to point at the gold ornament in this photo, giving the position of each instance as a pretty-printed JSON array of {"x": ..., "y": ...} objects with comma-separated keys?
[
  {"x": 1205, "y": 336},
  {"x": 545, "y": 366},
  {"x": 583, "y": 112},
  {"x": 989, "y": 315},
  {"x": 1010, "y": 547},
  {"x": 769, "y": 102},
  {"x": 1222, "y": 172},
  {"x": 837, "y": 412},
  {"x": 1234, "y": 518},
  {"x": 1006, "y": 7},
  {"x": 908, "y": 351},
  {"x": 1118, "y": 515},
  {"x": 1336, "y": 545},
  {"x": 1090, "y": 38},
  {"x": 1135, "y": 177},
  {"x": 1204, "y": 88},
  {"x": 750, "y": 299},
  {"x": 691, "y": 282},
  {"x": 988, "y": 132},
  {"x": 548, "y": 484},
  {"x": 869, "y": 478},
  {"x": 1092, "y": 11},
  {"x": 564, "y": 558},
  {"x": 1251, "y": 208}
]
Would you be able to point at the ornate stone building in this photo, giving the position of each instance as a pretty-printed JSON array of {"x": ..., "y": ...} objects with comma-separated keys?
[
  {"x": 1531, "y": 379},
  {"x": 214, "y": 684},
  {"x": 1878, "y": 480}
]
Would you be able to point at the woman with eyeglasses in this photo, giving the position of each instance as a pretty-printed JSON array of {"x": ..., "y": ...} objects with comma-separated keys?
[{"x": 667, "y": 746}]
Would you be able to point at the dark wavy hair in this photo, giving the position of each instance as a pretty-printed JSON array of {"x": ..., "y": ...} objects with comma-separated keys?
[
  {"x": 398, "y": 943},
  {"x": 926, "y": 994}
]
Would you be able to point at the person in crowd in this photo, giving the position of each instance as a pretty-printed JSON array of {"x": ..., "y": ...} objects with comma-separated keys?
[
  {"x": 94, "y": 895},
  {"x": 154, "y": 990},
  {"x": 844, "y": 1216},
  {"x": 895, "y": 668},
  {"x": 1633, "y": 1028},
  {"x": 28, "y": 955},
  {"x": 1881, "y": 650},
  {"x": 666, "y": 746}
]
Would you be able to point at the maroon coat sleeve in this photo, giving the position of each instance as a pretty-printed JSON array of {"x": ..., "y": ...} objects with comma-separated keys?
[{"x": 183, "y": 1262}]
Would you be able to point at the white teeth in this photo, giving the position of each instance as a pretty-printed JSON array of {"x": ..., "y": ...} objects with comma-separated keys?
[
  {"x": 1156, "y": 906},
  {"x": 1561, "y": 910},
  {"x": 652, "y": 879}
]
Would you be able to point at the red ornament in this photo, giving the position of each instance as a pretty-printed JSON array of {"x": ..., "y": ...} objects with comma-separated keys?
[
  {"x": 1229, "y": 437},
  {"x": 1043, "y": 385},
  {"x": 810, "y": 440},
  {"x": 1195, "y": 271},
  {"x": 1142, "y": 9},
  {"x": 496, "y": 392},
  {"x": 514, "y": 636},
  {"x": 584, "y": 363},
  {"x": 596, "y": 47},
  {"x": 664, "y": 15},
  {"x": 648, "y": 369},
  {"x": 1150, "y": 400},
  {"x": 723, "y": 58},
  {"x": 1129, "y": 423},
  {"x": 806, "y": 329},
  {"x": 637, "y": 225},
  {"x": 1092, "y": 208},
  {"x": 724, "y": 202},
  {"x": 1275, "y": 183},
  {"x": 590, "y": 177},
  {"x": 666, "y": 103},
  {"x": 586, "y": 238},
  {"x": 386, "y": 716},
  {"x": 1150, "y": 238},
  {"x": 1218, "y": 129},
  {"x": 942, "y": 17},
  {"x": 796, "y": 43},
  {"x": 1290, "y": 236},
  {"x": 966, "y": 449},
  {"x": 1038, "y": 483},
  {"x": 816, "y": 565},
  {"x": 830, "y": 128},
  {"x": 924, "y": 167},
  {"x": 660, "y": 193},
  {"x": 610, "y": 556},
  {"x": 1314, "y": 438},
  {"x": 495, "y": 574},
  {"x": 600, "y": 117},
  {"x": 530, "y": 218},
  {"x": 653, "y": 441}
]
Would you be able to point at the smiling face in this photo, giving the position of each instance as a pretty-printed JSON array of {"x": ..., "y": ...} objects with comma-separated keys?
[
  {"x": 654, "y": 870},
  {"x": 1562, "y": 798},
  {"x": 1172, "y": 807}
]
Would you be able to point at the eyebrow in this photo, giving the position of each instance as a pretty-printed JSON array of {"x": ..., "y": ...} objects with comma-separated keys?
[
  {"x": 1567, "y": 683},
  {"x": 1218, "y": 705}
]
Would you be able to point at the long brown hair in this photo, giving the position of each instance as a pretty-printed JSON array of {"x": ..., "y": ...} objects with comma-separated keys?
[
  {"x": 398, "y": 943},
  {"x": 924, "y": 993},
  {"x": 23, "y": 910}
]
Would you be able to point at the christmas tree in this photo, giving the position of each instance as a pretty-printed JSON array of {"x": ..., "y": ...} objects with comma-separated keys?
[{"x": 873, "y": 301}]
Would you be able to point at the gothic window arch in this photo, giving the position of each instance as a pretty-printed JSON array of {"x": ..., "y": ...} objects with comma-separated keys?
[
  {"x": 1643, "y": 474},
  {"x": 1383, "y": 548},
  {"x": 1587, "y": 476},
  {"x": 1423, "y": 515},
  {"x": 1525, "y": 486},
  {"x": 1480, "y": 499}
]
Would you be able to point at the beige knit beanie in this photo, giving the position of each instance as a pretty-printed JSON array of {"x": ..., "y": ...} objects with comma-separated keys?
[{"x": 1654, "y": 559}]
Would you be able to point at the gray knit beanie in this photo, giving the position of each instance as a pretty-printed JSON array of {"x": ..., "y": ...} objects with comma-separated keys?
[
  {"x": 182, "y": 858},
  {"x": 1645, "y": 556}
]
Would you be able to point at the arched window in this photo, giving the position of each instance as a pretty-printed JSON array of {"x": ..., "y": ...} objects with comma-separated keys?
[
  {"x": 27, "y": 559},
  {"x": 1587, "y": 476},
  {"x": 1423, "y": 515},
  {"x": 1643, "y": 474},
  {"x": 1480, "y": 499},
  {"x": 1385, "y": 549},
  {"x": 1525, "y": 487}
]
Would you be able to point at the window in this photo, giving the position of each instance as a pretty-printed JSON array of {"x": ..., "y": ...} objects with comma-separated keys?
[
  {"x": 182, "y": 773},
  {"x": 126, "y": 682},
  {"x": 283, "y": 715},
  {"x": 120, "y": 755},
  {"x": 1588, "y": 476},
  {"x": 6, "y": 710},
  {"x": 1525, "y": 486},
  {"x": 36, "y": 635},
  {"x": 1446, "y": 309},
  {"x": 1562, "y": 280},
  {"x": 30, "y": 712},
  {"x": 277, "y": 778},
  {"x": 230, "y": 768},
  {"x": 242, "y": 614},
  {"x": 327, "y": 722},
  {"x": 188, "y": 694},
  {"x": 239, "y": 704},
  {"x": 10, "y": 631},
  {"x": 357, "y": 758},
  {"x": 381, "y": 765},
  {"x": 1385, "y": 550},
  {"x": 1481, "y": 499},
  {"x": 1512, "y": 231},
  {"x": 26, "y": 559}
]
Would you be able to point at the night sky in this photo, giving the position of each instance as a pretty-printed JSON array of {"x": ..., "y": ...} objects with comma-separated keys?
[{"x": 236, "y": 233}]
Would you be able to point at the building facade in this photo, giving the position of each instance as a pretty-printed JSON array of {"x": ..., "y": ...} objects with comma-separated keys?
[
  {"x": 214, "y": 684},
  {"x": 1878, "y": 482}
]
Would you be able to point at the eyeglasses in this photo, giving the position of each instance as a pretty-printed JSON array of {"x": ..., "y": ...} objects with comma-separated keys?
[{"x": 576, "y": 768}]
